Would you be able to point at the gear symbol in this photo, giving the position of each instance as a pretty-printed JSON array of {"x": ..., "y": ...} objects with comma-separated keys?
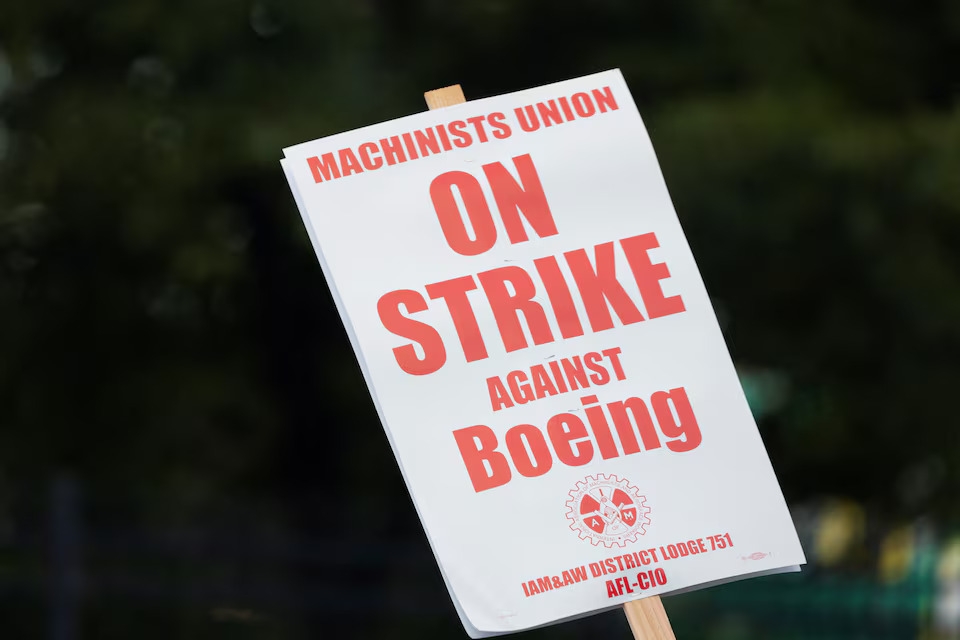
[{"x": 608, "y": 510}]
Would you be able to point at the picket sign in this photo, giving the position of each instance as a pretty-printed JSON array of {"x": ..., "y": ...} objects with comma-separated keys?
[
  {"x": 543, "y": 355},
  {"x": 648, "y": 620}
]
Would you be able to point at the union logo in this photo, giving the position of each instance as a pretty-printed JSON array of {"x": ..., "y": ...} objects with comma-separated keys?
[{"x": 607, "y": 510}]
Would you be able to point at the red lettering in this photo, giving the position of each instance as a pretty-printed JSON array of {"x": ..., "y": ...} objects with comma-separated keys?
[
  {"x": 573, "y": 369},
  {"x": 684, "y": 425},
  {"x": 487, "y": 467},
  {"x": 521, "y": 391},
  {"x": 528, "y": 450},
  {"x": 369, "y": 163},
  {"x": 426, "y": 142},
  {"x": 542, "y": 384},
  {"x": 526, "y": 197},
  {"x": 507, "y": 306},
  {"x": 349, "y": 162},
  {"x": 477, "y": 122},
  {"x": 448, "y": 213},
  {"x": 570, "y": 440},
  {"x": 560, "y": 299},
  {"x": 499, "y": 398},
  {"x": 392, "y": 150},
  {"x": 604, "y": 99},
  {"x": 613, "y": 354},
  {"x": 434, "y": 354},
  {"x": 549, "y": 113},
  {"x": 624, "y": 426},
  {"x": 600, "y": 428},
  {"x": 501, "y": 129},
  {"x": 408, "y": 143},
  {"x": 649, "y": 275},
  {"x": 528, "y": 121},
  {"x": 444, "y": 138},
  {"x": 592, "y": 362},
  {"x": 454, "y": 294},
  {"x": 458, "y": 131},
  {"x": 583, "y": 105},
  {"x": 597, "y": 287},
  {"x": 558, "y": 375},
  {"x": 323, "y": 168}
]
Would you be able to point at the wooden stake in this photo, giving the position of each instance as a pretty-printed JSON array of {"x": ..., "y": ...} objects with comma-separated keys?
[
  {"x": 444, "y": 97},
  {"x": 647, "y": 619}
]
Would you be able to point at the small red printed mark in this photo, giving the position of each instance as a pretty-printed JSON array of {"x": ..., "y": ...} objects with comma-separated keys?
[{"x": 756, "y": 555}]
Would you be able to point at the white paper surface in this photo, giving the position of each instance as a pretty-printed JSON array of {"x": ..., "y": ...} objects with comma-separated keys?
[{"x": 506, "y": 551}]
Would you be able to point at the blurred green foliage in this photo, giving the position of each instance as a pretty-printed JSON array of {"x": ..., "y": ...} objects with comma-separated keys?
[{"x": 165, "y": 331}]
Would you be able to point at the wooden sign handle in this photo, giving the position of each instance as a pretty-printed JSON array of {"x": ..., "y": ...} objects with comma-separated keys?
[
  {"x": 647, "y": 619},
  {"x": 444, "y": 97}
]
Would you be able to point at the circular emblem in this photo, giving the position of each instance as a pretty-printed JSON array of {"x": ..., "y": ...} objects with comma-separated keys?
[{"x": 608, "y": 510}]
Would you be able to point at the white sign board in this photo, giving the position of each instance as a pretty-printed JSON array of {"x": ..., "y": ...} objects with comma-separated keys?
[{"x": 542, "y": 353}]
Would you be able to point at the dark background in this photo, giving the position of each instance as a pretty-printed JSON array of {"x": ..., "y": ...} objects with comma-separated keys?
[{"x": 187, "y": 448}]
